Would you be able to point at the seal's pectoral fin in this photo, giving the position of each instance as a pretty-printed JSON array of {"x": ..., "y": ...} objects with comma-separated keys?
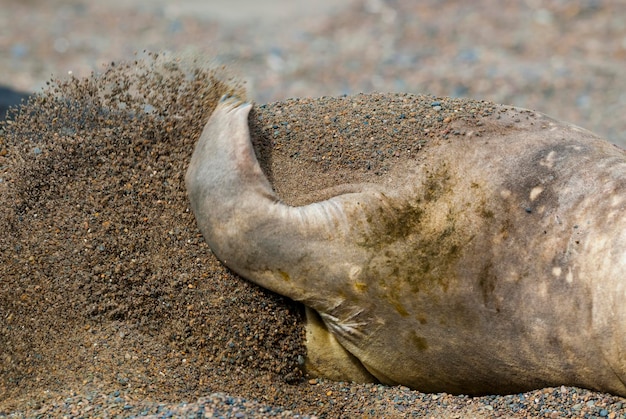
[{"x": 327, "y": 358}]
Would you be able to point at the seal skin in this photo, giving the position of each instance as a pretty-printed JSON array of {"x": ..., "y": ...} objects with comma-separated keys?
[{"x": 491, "y": 265}]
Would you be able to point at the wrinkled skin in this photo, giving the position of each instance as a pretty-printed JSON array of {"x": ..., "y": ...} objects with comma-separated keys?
[{"x": 491, "y": 269}]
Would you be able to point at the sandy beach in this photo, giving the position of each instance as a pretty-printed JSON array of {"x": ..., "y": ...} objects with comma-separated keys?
[{"x": 113, "y": 305}]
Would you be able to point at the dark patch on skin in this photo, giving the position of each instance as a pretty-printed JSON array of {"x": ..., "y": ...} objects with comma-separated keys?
[
  {"x": 403, "y": 225},
  {"x": 436, "y": 185},
  {"x": 400, "y": 223},
  {"x": 487, "y": 282},
  {"x": 436, "y": 257},
  {"x": 505, "y": 229},
  {"x": 484, "y": 211},
  {"x": 361, "y": 286},
  {"x": 425, "y": 270},
  {"x": 400, "y": 308},
  {"x": 419, "y": 342}
]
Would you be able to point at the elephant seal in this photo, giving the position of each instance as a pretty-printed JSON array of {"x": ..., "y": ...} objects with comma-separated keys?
[{"x": 493, "y": 263}]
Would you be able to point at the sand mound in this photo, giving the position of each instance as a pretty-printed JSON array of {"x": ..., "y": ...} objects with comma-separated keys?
[{"x": 105, "y": 279}]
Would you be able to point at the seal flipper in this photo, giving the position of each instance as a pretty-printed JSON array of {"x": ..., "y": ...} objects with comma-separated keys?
[
  {"x": 285, "y": 249},
  {"x": 327, "y": 358}
]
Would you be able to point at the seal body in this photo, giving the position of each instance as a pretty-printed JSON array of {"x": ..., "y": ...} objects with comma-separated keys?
[{"x": 489, "y": 265}]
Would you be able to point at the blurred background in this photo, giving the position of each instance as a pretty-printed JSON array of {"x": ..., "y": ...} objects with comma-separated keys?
[{"x": 566, "y": 58}]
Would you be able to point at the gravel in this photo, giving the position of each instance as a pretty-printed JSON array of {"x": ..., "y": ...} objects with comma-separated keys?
[{"x": 113, "y": 305}]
